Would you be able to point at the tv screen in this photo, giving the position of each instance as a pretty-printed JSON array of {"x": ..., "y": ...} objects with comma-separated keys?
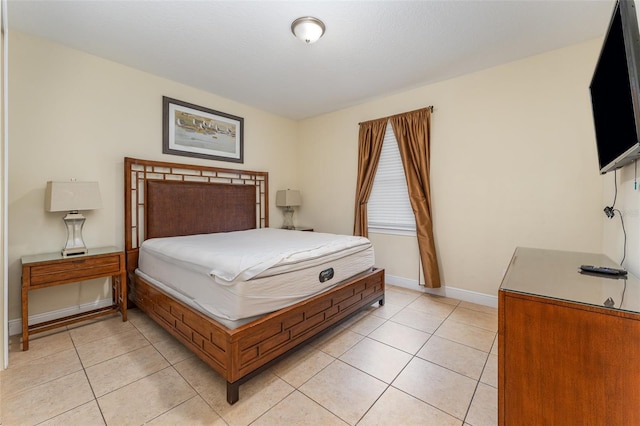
[{"x": 614, "y": 91}]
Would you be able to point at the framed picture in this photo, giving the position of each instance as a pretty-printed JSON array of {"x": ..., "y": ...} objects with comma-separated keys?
[{"x": 194, "y": 131}]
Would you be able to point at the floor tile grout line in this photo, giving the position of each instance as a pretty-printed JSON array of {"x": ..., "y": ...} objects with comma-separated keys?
[
  {"x": 60, "y": 377},
  {"x": 476, "y": 388},
  {"x": 86, "y": 375},
  {"x": 466, "y": 325},
  {"x": 48, "y": 381},
  {"x": 371, "y": 375},
  {"x": 327, "y": 408},
  {"x": 390, "y": 384},
  {"x": 275, "y": 405},
  {"x": 459, "y": 343},
  {"x": 169, "y": 365},
  {"x": 413, "y": 356},
  {"x": 385, "y": 320},
  {"x": 463, "y": 344},
  {"x": 401, "y": 310},
  {"x": 142, "y": 378},
  {"x": 401, "y": 350},
  {"x": 374, "y": 403},
  {"x": 338, "y": 359},
  {"x": 426, "y": 402},
  {"x": 83, "y": 370},
  {"x": 318, "y": 372},
  {"x": 197, "y": 395},
  {"x": 97, "y": 321},
  {"x": 466, "y": 414},
  {"x": 442, "y": 322},
  {"x": 477, "y": 381},
  {"x": 197, "y": 392}
]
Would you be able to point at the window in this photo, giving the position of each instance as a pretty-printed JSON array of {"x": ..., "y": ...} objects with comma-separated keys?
[{"x": 389, "y": 209}]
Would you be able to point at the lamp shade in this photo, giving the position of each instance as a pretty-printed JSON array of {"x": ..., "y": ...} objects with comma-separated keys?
[
  {"x": 72, "y": 196},
  {"x": 308, "y": 29},
  {"x": 288, "y": 198}
]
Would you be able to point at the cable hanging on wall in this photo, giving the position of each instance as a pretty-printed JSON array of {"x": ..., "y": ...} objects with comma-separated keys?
[{"x": 610, "y": 211}]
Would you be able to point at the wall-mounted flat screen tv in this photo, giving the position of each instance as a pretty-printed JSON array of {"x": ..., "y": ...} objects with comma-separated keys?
[{"x": 615, "y": 89}]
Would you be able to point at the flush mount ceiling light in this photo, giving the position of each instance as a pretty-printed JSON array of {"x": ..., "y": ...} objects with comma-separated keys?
[{"x": 307, "y": 29}]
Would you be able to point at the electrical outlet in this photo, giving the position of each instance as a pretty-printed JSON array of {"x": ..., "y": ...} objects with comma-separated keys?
[{"x": 609, "y": 212}]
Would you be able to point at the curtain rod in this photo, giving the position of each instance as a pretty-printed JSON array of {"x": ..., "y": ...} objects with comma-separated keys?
[{"x": 430, "y": 108}]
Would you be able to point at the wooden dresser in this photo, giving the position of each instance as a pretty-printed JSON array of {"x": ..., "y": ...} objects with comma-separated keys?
[{"x": 564, "y": 358}]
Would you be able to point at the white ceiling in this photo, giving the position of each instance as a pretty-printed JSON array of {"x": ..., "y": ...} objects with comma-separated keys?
[{"x": 244, "y": 50}]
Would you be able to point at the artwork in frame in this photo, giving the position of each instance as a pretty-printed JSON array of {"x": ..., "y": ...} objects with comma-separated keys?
[{"x": 195, "y": 131}]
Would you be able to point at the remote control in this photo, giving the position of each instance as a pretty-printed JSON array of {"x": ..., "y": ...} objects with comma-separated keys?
[{"x": 602, "y": 270}]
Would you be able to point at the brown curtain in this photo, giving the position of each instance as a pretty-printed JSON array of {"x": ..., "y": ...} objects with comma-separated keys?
[
  {"x": 412, "y": 131},
  {"x": 370, "y": 141}
]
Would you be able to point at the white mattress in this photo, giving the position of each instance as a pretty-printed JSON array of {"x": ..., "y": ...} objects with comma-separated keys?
[{"x": 238, "y": 276}]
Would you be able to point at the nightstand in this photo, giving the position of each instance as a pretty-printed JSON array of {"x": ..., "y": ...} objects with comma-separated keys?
[{"x": 51, "y": 269}]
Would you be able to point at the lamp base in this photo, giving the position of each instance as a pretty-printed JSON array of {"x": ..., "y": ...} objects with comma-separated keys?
[
  {"x": 74, "y": 252},
  {"x": 287, "y": 219},
  {"x": 75, "y": 245}
]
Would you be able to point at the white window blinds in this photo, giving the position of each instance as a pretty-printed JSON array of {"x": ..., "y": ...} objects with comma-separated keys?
[{"x": 389, "y": 208}]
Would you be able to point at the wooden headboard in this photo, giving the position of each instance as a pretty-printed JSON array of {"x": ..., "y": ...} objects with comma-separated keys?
[{"x": 170, "y": 199}]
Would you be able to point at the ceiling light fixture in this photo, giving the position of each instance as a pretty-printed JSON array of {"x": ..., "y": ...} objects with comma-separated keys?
[{"x": 308, "y": 29}]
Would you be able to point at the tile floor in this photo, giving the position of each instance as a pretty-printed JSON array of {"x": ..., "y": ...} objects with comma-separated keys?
[{"x": 418, "y": 360}]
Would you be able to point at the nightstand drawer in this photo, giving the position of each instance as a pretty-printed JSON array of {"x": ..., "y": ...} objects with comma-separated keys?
[{"x": 74, "y": 270}]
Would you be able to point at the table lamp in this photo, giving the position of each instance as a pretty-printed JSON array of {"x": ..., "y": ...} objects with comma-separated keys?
[
  {"x": 72, "y": 197},
  {"x": 288, "y": 199}
]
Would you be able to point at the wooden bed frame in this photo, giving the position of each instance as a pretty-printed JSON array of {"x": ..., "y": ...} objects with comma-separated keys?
[{"x": 169, "y": 199}]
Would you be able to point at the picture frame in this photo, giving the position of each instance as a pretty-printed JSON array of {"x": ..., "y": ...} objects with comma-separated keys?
[{"x": 194, "y": 131}]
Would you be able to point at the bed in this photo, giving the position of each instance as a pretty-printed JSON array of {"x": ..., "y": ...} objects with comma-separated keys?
[{"x": 174, "y": 200}]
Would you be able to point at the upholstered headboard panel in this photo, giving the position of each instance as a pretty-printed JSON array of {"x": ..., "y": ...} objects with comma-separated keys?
[{"x": 187, "y": 208}]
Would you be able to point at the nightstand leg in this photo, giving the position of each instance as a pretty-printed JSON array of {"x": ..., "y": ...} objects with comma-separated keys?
[
  {"x": 119, "y": 291},
  {"x": 123, "y": 295}
]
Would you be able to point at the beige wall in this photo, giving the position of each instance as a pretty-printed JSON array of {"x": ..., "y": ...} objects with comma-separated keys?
[
  {"x": 513, "y": 164},
  {"x": 513, "y": 159},
  {"x": 74, "y": 115},
  {"x": 628, "y": 203}
]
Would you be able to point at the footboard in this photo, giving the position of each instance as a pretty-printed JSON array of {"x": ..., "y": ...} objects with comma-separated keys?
[{"x": 239, "y": 353}]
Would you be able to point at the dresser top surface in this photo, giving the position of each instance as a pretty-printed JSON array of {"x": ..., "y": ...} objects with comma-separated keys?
[{"x": 556, "y": 274}]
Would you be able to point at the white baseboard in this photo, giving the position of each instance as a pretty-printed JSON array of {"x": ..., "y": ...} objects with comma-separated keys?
[
  {"x": 15, "y": 326},
  {"x": 446, "y": 291}
]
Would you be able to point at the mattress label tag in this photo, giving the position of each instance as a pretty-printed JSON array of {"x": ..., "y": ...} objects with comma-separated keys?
[{"x": 326, "y": 275}]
